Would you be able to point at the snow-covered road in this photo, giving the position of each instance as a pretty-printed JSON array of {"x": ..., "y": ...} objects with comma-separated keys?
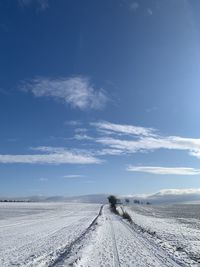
[{"x": 117, "y": 244}]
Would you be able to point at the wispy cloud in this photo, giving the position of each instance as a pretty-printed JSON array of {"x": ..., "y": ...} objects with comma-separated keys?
[
  {"x": 25, "y": 2},
  {"x": 78, "y": 91},
  {"x": 134, "y": 6},
  {"x": 154, "y": 143},
  {"x": 108, "y": 151},
  {"x": 73, "y": 123},
  {"x": 72, "y": 176},
  {"x": 42, "y": 4},
  {"x": 51, "y": 155},
  {"x": 80, "y": 130},
  {"x": 81, "y": 137},
  {"x": 102, "y": 139},
  {"x": 42, "y": 179},
  {"x": 124, "y": 129},
  {"x": 152, "y": 109},
  {"x": 144, "y": 139},
  {"x": 164, "y": 170},
  {"x": 149, "y": 11}
]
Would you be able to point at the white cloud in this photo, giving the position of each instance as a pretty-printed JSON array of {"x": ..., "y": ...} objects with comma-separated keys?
[
  {"x": 42, "y": 179},
  {"x": 195, "y": 154},
  {"x": 80, "y": 130},
  {"x": 25, "y": 2},
  {"x": 175, "y": 195},
  {"x": 152, "y": 109},
  {"x": 134, "y": 6},
  {"x": 48, "y": 149},
  {"x": 123, "y": 128},
  {"x": 72, "y": 176},
  {"x": 73, "y": 123},
  {"x": 149, "y": 11},
  {"x": 115, "y": 140},
  {"x": 187, "y": 191},
  {"x": 108, "y": 151},
  {"x": 143, "y": 139},
  {"x": 81, "y": 137},
  {"x": 78, "y": 92},
  {"x": 52, "y": 156},
  {"x": 164, "y": 170},
  {"x": 42, "y": 4}
]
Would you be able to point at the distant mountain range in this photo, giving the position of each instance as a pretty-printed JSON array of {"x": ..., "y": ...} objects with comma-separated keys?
[
  {"x": 162, "y": 197},
  {"x": 167, "y": 196}
]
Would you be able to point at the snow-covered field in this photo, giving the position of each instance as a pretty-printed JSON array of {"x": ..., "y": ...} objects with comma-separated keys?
[
  {"x": 75, "y": 234},
  {"x": 35, "y": 234},
  {"x": 175, "y": 228}
]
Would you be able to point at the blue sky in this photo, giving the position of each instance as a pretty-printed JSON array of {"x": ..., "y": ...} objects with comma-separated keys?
[{"x": 99, "y": 96}]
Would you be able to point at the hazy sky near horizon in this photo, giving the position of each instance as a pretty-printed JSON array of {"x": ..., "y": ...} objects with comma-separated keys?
[{"x": 99, "y": 96}]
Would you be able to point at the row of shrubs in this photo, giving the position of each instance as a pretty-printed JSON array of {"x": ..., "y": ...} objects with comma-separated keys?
[
  {"x": 13, "y": 200},
  {"x": 113, "y": 207}
]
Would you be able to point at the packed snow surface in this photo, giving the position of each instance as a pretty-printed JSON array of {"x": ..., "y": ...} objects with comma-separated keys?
[
  {"x": 82, "y": 235},
  {"x": 117, "y": 244}
]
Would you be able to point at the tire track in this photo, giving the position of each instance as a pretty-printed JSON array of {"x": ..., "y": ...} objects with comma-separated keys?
[
  {"x": 115, "y": 249},
  {"x": 71, "y": 248}
]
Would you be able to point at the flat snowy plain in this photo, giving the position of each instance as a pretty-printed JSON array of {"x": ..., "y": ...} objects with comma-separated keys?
[
  {"x": 175, "y": 228},
  {"x": 75, "y": 234}
]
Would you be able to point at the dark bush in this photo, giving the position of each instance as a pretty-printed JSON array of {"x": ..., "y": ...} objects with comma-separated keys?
[
  {"x": 126, "y": 216},
  {"x": 127, "y": 201},
  {"x": 112, "y": 200}
]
